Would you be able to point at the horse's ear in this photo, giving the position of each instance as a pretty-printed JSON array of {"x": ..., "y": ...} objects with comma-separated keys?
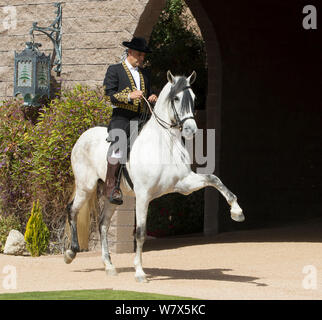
[
  {"x": 170, "y": 77},
  {"x": 192, "y": 77}
]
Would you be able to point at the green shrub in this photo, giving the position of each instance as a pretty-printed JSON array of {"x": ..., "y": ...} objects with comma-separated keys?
[
  {"x": 37, "y": 233},
  {"x": 178, "y": 46},
  {"x": 15, "y": 157},
  {"x": 6, "y": 224}
]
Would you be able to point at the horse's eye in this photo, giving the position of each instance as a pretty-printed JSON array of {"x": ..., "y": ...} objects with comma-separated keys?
[{"x": 176, "y": 99}]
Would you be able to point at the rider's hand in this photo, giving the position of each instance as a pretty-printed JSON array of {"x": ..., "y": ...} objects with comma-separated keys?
[
  {"x": 136, "y": 94},
  {"x": 153, "y": 98}
]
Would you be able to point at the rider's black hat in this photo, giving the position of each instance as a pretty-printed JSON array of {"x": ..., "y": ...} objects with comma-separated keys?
[{"x": 138, "y": 44}]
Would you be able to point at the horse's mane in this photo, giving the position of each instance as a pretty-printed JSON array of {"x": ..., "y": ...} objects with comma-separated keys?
[{"x": 180, "y": 85}]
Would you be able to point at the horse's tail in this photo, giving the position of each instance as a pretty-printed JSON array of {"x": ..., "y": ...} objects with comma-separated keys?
[{"x": 83, "y": 218}]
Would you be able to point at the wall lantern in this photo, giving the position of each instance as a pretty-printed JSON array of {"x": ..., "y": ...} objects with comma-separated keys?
[
  {"x": 32, "y": 67},
  {"x": 32, "y": 74}
]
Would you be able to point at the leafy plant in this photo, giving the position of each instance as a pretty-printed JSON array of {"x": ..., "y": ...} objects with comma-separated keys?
[
  {"x": 178, "y": 46},
  {"x": 15, "y": 157},
  {"x": 37, "y": 233}
]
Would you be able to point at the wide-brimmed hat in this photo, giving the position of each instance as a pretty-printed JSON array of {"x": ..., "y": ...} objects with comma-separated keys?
[{"x": 138, "y": 44}]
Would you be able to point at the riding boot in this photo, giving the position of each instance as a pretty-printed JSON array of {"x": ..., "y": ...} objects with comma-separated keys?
[{"x": 111, "y": 189}]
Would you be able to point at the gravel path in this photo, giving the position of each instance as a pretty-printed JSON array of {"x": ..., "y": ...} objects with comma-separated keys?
[{"x": 278, "y": 263}]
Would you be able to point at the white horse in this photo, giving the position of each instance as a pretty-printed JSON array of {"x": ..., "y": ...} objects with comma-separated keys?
[{"x": 158, "y": 164}]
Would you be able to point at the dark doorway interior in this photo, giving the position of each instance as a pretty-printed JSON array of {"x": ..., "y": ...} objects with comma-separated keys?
[{"x": 271, "y": 155}]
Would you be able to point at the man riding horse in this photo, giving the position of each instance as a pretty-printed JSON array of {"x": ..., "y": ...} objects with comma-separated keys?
[
  {"x": 159, "y": 162},
  {"x": 125, "y": 84}
]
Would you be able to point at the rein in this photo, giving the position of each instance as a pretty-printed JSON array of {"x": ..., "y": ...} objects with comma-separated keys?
[{"x": 179, "y": 122}]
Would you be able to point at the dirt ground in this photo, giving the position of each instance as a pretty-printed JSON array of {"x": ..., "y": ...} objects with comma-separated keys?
[{"x": 276, "y": 263}]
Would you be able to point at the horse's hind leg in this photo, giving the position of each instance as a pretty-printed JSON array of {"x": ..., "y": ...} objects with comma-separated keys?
[
  {"x": 105, "y": 220},
  {"x": 142, "y": 204},
  {"x": 72, "y": 209}
]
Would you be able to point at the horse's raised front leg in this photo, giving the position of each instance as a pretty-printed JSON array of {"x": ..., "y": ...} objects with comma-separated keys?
[
  {"x": 194, "y": 182},
  {"x": 142, "y": 204},
  {"x": 104, "y": 224}
]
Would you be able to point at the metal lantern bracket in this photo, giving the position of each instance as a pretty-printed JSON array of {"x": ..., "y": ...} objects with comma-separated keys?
[{"x": 54, "y": 32}]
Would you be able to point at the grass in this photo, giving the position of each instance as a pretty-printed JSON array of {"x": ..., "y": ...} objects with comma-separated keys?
[{"x": 105, "y": 294}]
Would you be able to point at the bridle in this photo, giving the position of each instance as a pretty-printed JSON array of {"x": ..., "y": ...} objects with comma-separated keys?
[{"x": 178, "y": 122}]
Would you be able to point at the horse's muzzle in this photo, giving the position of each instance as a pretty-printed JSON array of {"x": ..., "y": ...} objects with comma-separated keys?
[{"x": 189, "y": 128}]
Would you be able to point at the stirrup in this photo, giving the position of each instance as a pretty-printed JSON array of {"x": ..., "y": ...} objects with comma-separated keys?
[{"x": 118, "y": 201}]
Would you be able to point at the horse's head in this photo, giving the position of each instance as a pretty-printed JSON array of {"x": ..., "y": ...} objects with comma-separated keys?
[{"x": 181, "y": 99}]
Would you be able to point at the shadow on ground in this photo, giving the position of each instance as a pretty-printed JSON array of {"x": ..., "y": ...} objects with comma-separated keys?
[
  {"x": 307, "y": 232},
  {"x": 160, "y": 274}
]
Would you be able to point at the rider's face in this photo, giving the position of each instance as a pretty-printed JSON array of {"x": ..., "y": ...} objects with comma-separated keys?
[{"x": 136, "y": 58}]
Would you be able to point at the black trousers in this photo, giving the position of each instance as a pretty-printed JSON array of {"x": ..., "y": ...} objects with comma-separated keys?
[{"x": 121, "y": 120}]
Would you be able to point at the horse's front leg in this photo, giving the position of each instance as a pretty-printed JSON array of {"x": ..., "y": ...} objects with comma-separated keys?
[
  {"x": 194, "y": 182},
  {"x": 142, "y": 204}
]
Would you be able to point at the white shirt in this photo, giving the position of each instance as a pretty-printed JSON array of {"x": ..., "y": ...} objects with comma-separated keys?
[{"x": 135, "y": 74}]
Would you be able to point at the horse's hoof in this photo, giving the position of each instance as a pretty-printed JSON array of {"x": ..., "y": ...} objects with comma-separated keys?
[
  {"x": 111, "y": 272},
  {"x": 141, "y": 279},
  {"x": 75, "y": 248},
  {"x": 237, "y": 216},
  {"x": 69, "y": 256},
  {"x": 236, "y": 212}
]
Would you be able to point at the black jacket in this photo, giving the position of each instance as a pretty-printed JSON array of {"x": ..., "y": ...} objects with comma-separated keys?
[{"x": 119, "y": 83}]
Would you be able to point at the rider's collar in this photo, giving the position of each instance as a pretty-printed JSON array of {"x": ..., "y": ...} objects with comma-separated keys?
[{"x": 128, "y": 64}]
